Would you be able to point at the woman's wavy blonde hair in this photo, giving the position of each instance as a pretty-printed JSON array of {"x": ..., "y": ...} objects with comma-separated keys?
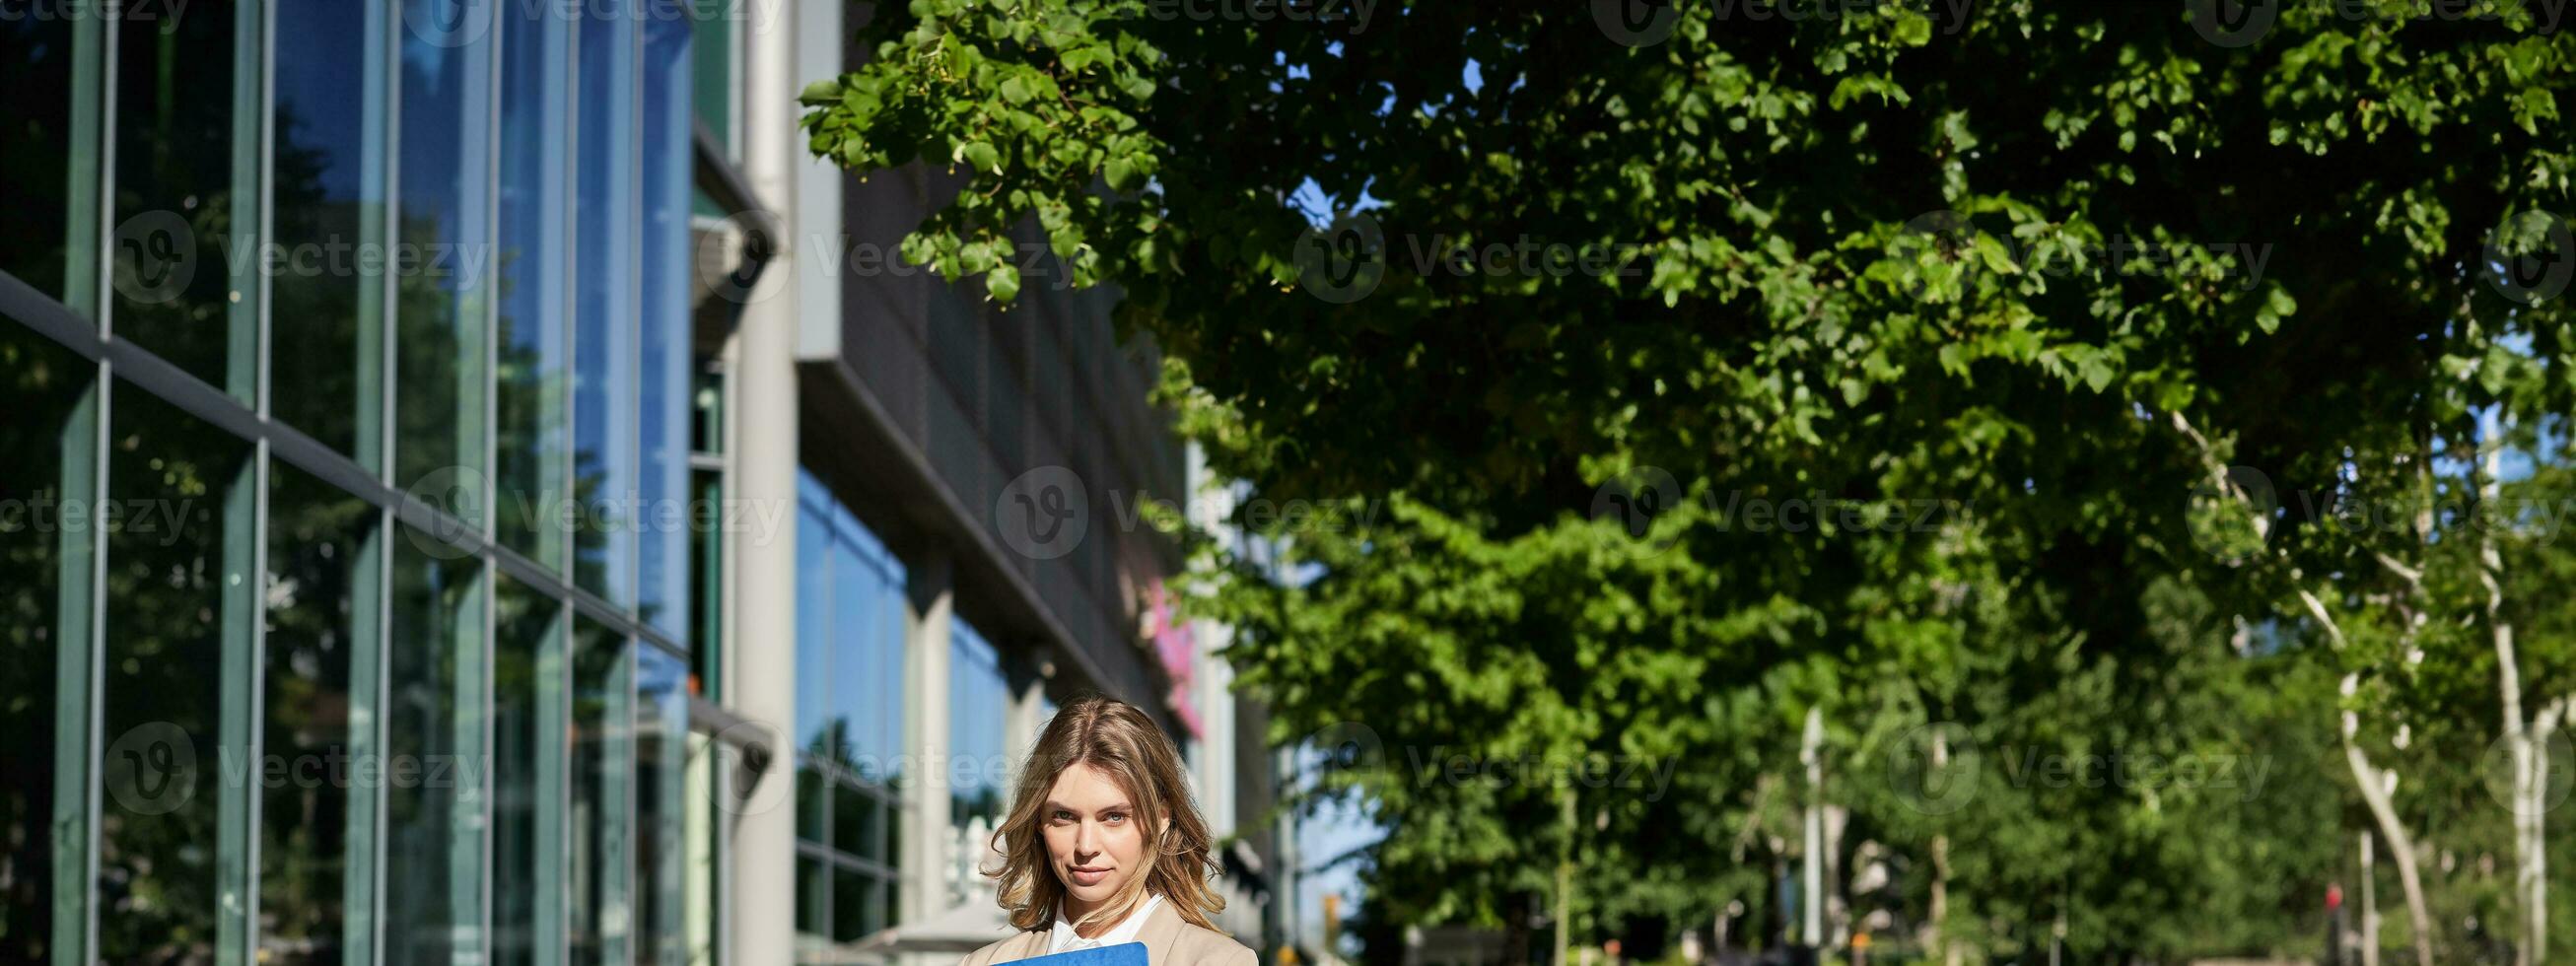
[{"x": 1119, "y": 740}]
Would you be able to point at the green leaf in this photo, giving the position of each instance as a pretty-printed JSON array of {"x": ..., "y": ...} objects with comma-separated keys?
[{"x": 1004, "y": 283}]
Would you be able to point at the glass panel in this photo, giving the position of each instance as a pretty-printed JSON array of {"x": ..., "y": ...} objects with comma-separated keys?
[
  {"x": 813, "y": 901},
  {"x": 317, "y": 557},
  {"x": 663, "y": 590},
  {"x": 813, "y": 803},
  {"x": 602, "y": 824},
  {"x": 814, "y": 637},
  {"x": 434, "y": 763},
  {"x": 711, "y": 56},
  {"x": 178, "y": 188},
  {"x": 50, "y": 156},
  {"x": 853, "y": 822},
  {"x": 661, "y": 763},
  {"x": 528, "y": 775},
  {"x": 890, "y": 900},
  {"x": 327, "y": 191},
  {"x": 177, "y": 588},
  {"x": 536, "y": 174},
  {"x": 604, "y": 361},
  {"x": 50, "y": 438},
  {"x": 443, "y": 254},
  {"x": 978, "y": 699},
  {"x": 850, "y": 894},
  {"x": 706, "y": 580},
  {"x": 855, "y": 663}
]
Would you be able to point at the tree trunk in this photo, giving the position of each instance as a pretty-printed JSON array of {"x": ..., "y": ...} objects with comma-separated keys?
[
  {"x": 2401, "y": 847},
  {"x": 1811, "y": 912},
  {"x": 2369, "y": 902},
  {"x": 2530, "y": 886}
]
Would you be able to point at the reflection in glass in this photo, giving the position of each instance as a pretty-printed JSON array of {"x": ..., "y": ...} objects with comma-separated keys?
[
  {"x": 536, "y": 107},
  {"x": 179, "y": 586},
  {"x": 600, "y": 915},
  {"x": 445, "y": 226},
  {"x": 850, "y": 906},
  {"x": 814, "y": 638},
  {"x": 661, "y": 765},
  {"x": 49, "y": 441},
  {"x": 528, "y": 775},
  {"x": 604, "y": 362},
  {"x": 44, "y": 153},
  {"x": 978, "y": 700},
  {"x": 179, "y": 176},
  {"x": 813, "y": 902},
  {"x": 434, "y": 765},
  {"x": 319, "y": 553},
  {"x": 327, "y": 190},
  {"x": 663, "y": 586}
]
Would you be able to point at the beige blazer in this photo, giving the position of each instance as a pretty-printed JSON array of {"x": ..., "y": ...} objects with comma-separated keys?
[{"x": 1169, "y": 941}]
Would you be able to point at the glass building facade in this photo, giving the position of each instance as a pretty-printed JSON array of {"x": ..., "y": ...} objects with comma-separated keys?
[
  {"x": 354, "y": 604},
  {"x": 850, "y": 614}
]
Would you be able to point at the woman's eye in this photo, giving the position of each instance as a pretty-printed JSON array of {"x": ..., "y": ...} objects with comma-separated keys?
[
  {"x": 1060, "y": 817},
  {"x": 1114, "y": 818}
]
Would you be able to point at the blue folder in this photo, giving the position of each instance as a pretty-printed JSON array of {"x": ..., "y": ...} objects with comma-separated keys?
[{"x": 1123, "y": 954}]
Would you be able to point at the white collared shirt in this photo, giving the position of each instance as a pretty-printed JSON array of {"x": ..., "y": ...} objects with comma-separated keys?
[{"x": 1064, "y": 939}]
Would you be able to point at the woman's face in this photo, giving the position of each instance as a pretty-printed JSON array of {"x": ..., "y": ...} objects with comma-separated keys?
[{"x": 1092, "y": 837}]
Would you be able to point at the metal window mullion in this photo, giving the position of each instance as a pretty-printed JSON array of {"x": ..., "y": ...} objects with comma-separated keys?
[
  {"x": 553, "y": 725},
  {"x": 633, "y": 161},
  {"x": 267, "y": 202},
  {"x": 102, "y": 252},
  {"x": 498, "y": 49},
  {"x": 495, "y": 50},
  {"x": 566, "y": 95},
  {"x": 80, "y": 657},
  {"x": 387, "y": 322},
  {"x": 620, "y": 843},
  {"x": 364, "y": 837},
  {"x": 469, "y": 863},
  {"x": 236, "y": 834},
  {"x": 242, "y": 362},
  {"x": 89, "y": 171}
]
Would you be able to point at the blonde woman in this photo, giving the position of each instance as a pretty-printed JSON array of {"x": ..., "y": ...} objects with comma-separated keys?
[{"x": 1103, "y": 845}]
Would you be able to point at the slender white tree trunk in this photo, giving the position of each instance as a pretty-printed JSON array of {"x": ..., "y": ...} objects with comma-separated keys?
[
  {"x": 2529, "y": 761},
  {"x": 1811, "y": 754},
  {"x": 2369, "y": 903},
  {"x": 2373, "y": 783},
  {"x": 2401, "y": 846}
]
